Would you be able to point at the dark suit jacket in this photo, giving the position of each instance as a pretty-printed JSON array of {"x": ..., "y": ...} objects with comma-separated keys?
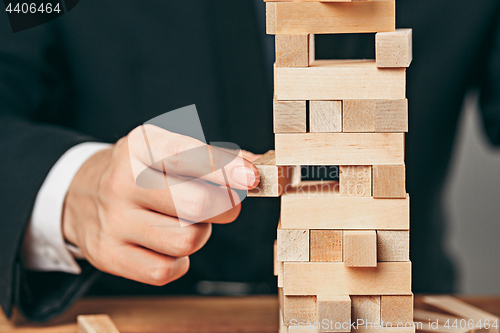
[{"x": 108, "y": 66}]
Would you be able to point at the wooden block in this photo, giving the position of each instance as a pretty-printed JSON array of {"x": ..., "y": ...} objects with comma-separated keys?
[
  {"x": 394, "y": 49},
  {"x": 292, "y": 50},
  {"x": 427, "y": 316},
  {"x": 462, "y": 309},
  {"x": 275, "y": 257},
  {"x": 312, "y": 49},
  {"x": 389, "y": 181},
  {"x": 373, "y": 115},
  {"x": 391, "y": 116},
  {"x": 334, "y": 278},
  {"x": 325, "y": 116},
  {"x": 335, "y": 311},
  {"x": 355, "y": 181},
  {"x": 393, "y": 245},
  {"x": 359, "y": 116},
  {"x": 293, "y": 245},
  {"x": 271, "y": 18},
  {"x": 280, "y": 274},
  {"x": 396, "y": 309},
  {"x": 305, "y": 210},
  {"x": 301, "y": 18},
  {"x": 274, "y": 180},
  {"x": 298, "y": 309},
  {"x": 360, "y": 248},
  {"x": 340, "y": 149},
  {"x": 365, "y": 309},
  {"x": 384, "y": 329},
  {"x": 290, "y": 116},
  {"x": 96, "y": 324},
  {"x": 326, "y": 246},
  {"x": 340, "y": 80}
]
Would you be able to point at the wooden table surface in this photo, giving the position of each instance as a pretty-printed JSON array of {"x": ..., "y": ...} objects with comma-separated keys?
[{"x": 184, "y": 314}]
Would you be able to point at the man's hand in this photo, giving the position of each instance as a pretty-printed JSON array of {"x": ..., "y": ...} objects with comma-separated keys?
[{"x": 134, "y": 232}]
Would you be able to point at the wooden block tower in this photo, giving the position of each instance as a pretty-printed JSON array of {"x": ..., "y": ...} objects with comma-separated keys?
[{"x": 342, "y": 249}]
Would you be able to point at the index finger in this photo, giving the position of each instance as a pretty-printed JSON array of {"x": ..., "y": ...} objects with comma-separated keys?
[{"x": 185, "y": 156}]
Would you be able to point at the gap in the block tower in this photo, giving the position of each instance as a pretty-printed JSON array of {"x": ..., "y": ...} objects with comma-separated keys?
[
  {"x": 319, "y": 172},
  {"x": 345, "y": 46}
]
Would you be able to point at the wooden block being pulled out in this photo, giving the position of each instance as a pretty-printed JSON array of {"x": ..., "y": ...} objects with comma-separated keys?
[
  {"x": 340, "y": 149},
  {"x": 355, "y": 181},
  {"x": 389, "y": 181},
  {"x": 290, "y": 116},
  {"x": 336, "y": 311},
  {"x": 302, "y": 18},
  {"x": 292, "y": 50},
  {"x": 396, "y": 309},
  {"x": 96, "y": 324},
  {"x": 372, "y": 115},
  {"x": 274, "y": 180},
  {"x": 334, "y": 278},
  {"x": 360, "y": 248},
  {"x": 326, "y": 80},
  {"x": 325, "y": 116},
  {"x": 394, "y": 49},
  {"x": 326, "y": 246}
]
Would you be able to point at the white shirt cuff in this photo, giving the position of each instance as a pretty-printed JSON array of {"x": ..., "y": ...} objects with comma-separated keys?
[{"x": 44, "y": 247}]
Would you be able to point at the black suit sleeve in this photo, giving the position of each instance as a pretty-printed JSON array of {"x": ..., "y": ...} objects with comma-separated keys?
[
  {"x": 490, "y": 84},
  {"x": 32, "y": 90}
]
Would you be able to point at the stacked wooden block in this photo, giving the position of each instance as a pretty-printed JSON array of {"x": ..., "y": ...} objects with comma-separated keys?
[{"x": 342, "y": 250}]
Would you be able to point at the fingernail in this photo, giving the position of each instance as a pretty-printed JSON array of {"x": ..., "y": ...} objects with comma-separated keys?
[{"x": 244, "y": 176}]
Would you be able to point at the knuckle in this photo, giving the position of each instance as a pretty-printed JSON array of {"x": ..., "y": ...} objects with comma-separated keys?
[
  {"x": 162, "y": 274},
  {"x": 186, "y": 244},
  {"x": 200, "y": 204},
  {"x": 112, "y": 184},
  {"x": 174, "y": 157}
]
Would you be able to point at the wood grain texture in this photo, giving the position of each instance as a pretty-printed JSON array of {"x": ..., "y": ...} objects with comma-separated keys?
[
  {"x": 290, "y": 116},
  {"x": 293, "y": 245},
  {"x": 340, "y": 149},
  {"x": 389, "y": 181},
  {"x": 271, "y": 18},
  {"x": 359, "y": 116},
  {"x": 189, "y": 314},
  {"x": 393, "y": 245},
  {"x": 365, "y": 309},
  {"x": 294, "y": 18},
  {"x": 274, "y": 179},
  {"x": 326, "y": 246},
  {"x": 298, "y": 308},
  {"x": 396, "y": 309},
  {"x": 300, "y": 211},
  {"x": 355, "y": 181},
  {"x": 391, "y": 116},
  {"x": 394, "y": 49},
  {"x": 292, "y": 50},
  {"x": 340, "y": 80},
  {"x": 325, "y": 116},
  {"x": 360, "y": 248},
  {"x": 375, "y": 115},
  {"x": 336, "y": 309},
  {"x": 332, "y": 278},
  {"x": 460, "y": 308},
  {"x": 96, "y": 324}
]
